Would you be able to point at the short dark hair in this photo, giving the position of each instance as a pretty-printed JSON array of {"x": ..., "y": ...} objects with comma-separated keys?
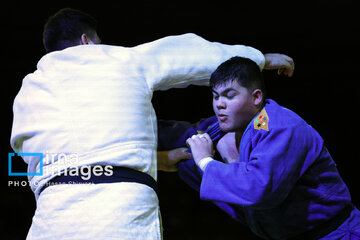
[
  {"x": 64, "y": 29},
  {"x": 243, "y": 70}
]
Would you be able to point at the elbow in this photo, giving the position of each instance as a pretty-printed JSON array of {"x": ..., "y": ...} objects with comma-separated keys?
[
  {"x": 255, "y": 197},
  {"x": 265, "y": 202},
  {"x": 191, "y": 35},
  {"x": 265, "y": 199},
  {"x": 261, "y": 195}
]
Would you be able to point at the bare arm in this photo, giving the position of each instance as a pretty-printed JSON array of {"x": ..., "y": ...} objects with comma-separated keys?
[{"x": 168, "y": 160}]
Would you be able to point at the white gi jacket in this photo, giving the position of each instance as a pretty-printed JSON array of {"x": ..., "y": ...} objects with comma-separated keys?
[{"x": 95, "y": 100}]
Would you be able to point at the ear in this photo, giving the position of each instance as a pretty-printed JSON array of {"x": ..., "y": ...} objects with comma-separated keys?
[
  {"x": 257, "y": 95},
  {"x": 84, "y": 39}
]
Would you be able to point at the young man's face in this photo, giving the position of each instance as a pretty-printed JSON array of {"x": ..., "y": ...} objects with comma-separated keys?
[{"x": 234, "y": 106}]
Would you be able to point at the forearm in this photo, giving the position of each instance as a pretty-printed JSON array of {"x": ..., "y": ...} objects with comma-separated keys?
[
  {"x": 162, "y": 162},
  {"x": 178, "y": 61},
  {"x": 168, "y": 160}
]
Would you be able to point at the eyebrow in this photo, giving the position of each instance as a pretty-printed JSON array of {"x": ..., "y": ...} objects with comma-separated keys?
[{"x": 225, "y": 91}]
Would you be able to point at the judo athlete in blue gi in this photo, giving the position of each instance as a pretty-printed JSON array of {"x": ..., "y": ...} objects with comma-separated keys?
[{"x": 274, "y": 173}]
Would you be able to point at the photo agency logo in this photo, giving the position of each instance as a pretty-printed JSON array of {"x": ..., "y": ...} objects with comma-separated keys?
[
  {"x": 50, "y": 164},
  {"x": 16, "y": 154},
  {"x": 14, "y": 160}
]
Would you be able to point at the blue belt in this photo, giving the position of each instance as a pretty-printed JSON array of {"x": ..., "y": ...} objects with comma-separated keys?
[{"x": 120, "y": 174}]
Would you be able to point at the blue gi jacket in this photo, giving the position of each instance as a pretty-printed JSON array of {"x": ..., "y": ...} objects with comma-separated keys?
[{"x": 285, "y": 182}]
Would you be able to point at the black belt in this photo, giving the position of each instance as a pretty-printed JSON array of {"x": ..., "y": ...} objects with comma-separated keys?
[{"x": 120, "y": 174}]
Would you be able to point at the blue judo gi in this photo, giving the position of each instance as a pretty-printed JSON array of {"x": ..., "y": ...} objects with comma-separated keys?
[{"x": 285, "y": 184}]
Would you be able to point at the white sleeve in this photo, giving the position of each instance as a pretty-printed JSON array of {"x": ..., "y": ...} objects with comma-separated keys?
[{"x": 178, "y": 61}]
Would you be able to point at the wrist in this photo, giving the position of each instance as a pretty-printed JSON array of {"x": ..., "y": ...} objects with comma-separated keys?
[
  {"x": 204, "y": 162},
  {"x": 267, "y": 61}
]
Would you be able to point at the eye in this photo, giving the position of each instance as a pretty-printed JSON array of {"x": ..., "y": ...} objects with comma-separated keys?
[
  {"x": 230, "y": 95},
  {"x": 215, "y": 96}
]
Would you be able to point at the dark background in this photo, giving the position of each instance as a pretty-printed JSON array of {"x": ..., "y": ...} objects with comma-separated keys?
[{"x": 321, "y": 36}]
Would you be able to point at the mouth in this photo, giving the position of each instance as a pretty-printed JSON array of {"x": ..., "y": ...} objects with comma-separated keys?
[{"x": 222, "y": 117}]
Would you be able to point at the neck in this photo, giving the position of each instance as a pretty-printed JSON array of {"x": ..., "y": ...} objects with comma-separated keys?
[
  {"x": 239, "y": 133},
  {"x": 238, "y": 136}
]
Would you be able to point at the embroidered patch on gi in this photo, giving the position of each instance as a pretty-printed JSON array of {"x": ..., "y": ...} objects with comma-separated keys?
[{"x": 262, "y": 121}]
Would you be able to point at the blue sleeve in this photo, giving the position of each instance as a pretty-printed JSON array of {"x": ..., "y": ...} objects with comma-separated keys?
[
  {"x": 276, "y": 160},
  {"x": 187, "y": 169},
  {"x": 191, "y": 174}
]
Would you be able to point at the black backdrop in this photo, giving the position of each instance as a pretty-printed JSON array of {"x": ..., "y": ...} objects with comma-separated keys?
[{"x": 321, "y": 36}]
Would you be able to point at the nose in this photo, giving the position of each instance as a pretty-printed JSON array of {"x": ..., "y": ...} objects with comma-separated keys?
[{"x": 220, "y": 103}]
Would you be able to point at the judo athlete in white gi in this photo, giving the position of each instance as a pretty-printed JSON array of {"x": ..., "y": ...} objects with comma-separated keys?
[{"x": 93, "y": 101}]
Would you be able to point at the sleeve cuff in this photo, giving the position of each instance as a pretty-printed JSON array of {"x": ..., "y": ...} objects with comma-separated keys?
[{"x": 204, "y": 162}]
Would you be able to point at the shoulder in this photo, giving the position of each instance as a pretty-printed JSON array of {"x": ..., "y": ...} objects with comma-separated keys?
[
  {"x": 277, "y": 120},
  {"x": 280, "y": 125},
  {"x": 278, "y": 117}
]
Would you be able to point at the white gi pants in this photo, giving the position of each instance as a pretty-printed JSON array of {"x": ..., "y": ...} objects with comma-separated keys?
[{"x": 97, "y": 211}]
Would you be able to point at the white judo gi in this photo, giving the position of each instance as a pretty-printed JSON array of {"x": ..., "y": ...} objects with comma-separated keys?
[{"x": 95, "y": 101}]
